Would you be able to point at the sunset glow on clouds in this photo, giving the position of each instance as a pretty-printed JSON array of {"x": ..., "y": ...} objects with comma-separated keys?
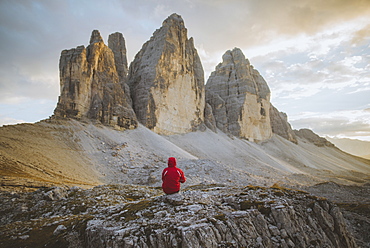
[{"x": 314, "y": 55}]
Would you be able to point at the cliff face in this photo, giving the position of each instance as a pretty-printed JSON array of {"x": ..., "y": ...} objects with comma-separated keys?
[
  {"x": 90, "y": 86},
  {"x": 166, "y": 80},
  {"x": 240, "y": 98},
  {"x": 117, "y": 44},
  {"x": 280, "y": 125}
]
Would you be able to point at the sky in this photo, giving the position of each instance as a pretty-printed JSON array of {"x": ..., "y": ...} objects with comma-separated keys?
[{"x": 313, "y": 54}]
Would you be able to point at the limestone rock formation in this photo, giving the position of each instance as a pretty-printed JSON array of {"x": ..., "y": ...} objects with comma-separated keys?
[
  {"x": 280, "y": 125},
  {"x": 310, "y": 136},
  {"x": 215, "y": 218},
  {"x": 134, "y": 216},
  {"x": 209, "y": 119},
  {"x": 166, "y": 80},
  {"x": 117, "y": 44},
  {"x": 90, "y": 88},
  {"x": 239, "y": 97}
]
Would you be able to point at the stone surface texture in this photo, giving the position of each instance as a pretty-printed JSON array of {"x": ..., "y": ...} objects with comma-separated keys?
[
  {"x": 240, "y": 98},
  {"x": 117, "y": 44},
  {"x": 280, "y": 125},
  {"x": 166, "y": 80},
  {"x": 206, "y": 216},
  {"x": 90, "y": 86},
  {"x": 209, "y": 119}
]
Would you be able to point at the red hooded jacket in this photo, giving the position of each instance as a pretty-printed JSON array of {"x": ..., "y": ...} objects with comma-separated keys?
[{"x": 172, "y": 177}]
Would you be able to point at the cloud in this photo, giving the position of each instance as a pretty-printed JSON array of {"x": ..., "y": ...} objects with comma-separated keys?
[
  {"x": 350, "y": 124},
  {"x": 27, "y": 110},
  {"x": 9, "y": 121},
  {"x": 325, "y": 68},
  {"x": 18, "y": 83},
  {"x": 361, "y": 37},
  {"x": 307, "y": 16}
]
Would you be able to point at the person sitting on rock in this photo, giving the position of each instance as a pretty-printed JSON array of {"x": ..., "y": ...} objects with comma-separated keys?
[{"x": 172, "y": 177}]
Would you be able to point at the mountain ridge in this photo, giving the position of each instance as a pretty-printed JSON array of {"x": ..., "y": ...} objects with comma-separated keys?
[{"x": 353, "y": 146}]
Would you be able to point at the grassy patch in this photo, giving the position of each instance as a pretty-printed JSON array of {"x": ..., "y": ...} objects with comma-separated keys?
[
  {"x": 359, "y": 208},
  {"x": 221, "y": 217},
  {"x": 281, "y": 190},
  {"x": 204, "y": 187},
  {"x": 130, "y": 210},
  {"x": 244, "y": 205},
  {"x": 253, "y": 187}
]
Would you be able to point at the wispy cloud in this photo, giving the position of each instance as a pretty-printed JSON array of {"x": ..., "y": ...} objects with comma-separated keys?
[
  {"x": 8, "y": 120},
  {"x": 349, "y": 124}
]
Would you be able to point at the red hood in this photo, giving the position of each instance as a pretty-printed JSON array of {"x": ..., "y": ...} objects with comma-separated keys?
[{"x": 171, "y": 162}]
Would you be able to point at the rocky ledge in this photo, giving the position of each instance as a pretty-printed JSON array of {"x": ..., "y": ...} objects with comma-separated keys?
[{"x": 201, "y": 216}]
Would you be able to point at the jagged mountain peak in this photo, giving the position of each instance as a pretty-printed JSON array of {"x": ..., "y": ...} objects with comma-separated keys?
[
  {"x": 95, "y": 37},
  {"x": 239, "y": 97},
  {"x": 92, "y": 88},
  {"x": 116, "y": 42},
  {"x": 234, "y": 56},
  {"x": 166, "y": 80},
  {"x": 173, "y": 19}
]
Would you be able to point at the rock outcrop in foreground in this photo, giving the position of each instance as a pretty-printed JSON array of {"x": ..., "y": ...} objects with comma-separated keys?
[
  {"x": 240, "y": 98},
  {"x": 90, "y": 86},
  {"x": 132, "y": 216},
  {"x": 166, "y": 80}
]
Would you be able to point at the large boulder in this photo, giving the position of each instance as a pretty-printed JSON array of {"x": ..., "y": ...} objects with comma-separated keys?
[
  {"x": 240, "y": 98},
  {"x": 166, "y": 80},
  {"x": 90, "y": 86}
]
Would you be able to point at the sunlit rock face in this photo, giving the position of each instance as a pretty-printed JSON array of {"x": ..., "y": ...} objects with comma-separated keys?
[
  {"x": 90, "y": 86},
  {"x": 280, "y": 125},
  {"x": 166, "y": 80},
  {"x": 240, "y": 98}
]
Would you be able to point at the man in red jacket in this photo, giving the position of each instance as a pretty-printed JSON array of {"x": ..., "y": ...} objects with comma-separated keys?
[{"x": 172, "y": 177}]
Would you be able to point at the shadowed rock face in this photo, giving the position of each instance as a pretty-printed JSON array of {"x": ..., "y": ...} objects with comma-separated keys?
[
  {"x": 239, "y": 97},
  {"x": 117, "y": 44},
  {"x": 90, "y": 88},
  {"x": 166, "y": 80},
  {"x": 280, "y": 125}
]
